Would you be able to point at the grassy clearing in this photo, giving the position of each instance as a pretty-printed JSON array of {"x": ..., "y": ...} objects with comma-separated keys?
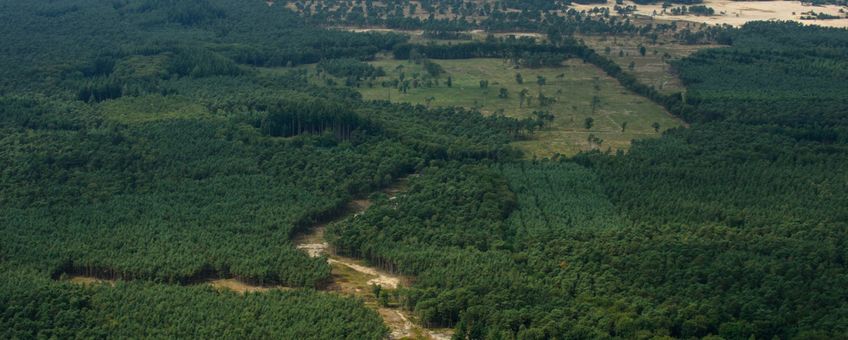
[
  {"x": 653, "y": 68},
  {"x": 574, "y": 86}
]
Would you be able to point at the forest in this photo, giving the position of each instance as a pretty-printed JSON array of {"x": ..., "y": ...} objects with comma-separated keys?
[{"x": 154, "y": 146}]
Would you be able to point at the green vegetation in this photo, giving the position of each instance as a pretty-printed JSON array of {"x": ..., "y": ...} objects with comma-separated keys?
[
  {"x": 149, "y": 147},
  {"x": 570, "y": 93},
  {"x": 654, "y": 67},
  {"x": 172, "y": 160},
  {"x": 731, "y": 228},
  {"x": 36, "y": 308}
]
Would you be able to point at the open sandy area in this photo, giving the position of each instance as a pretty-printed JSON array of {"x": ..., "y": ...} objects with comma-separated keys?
[{"x": 737, "y": 13}]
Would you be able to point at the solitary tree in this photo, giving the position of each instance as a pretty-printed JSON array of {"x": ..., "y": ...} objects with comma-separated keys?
[
  {"x": 503, "y": 93},
  {"x": 594, "y": 141},
  {"x": 642, "y": 50},
  {"x": 450, "y": 81},
  {"x": 656, "y": 126},
  {"x": 519, "y": 79},
  {"x": 588, "y": 123},
  {"x": 623, "y": 126},
  {"x": 522, "y": 96},
  {"x": 484, "y": 84}
]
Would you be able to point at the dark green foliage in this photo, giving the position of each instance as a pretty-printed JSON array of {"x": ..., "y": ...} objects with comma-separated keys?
[
  {"x": 491, "y": 247},
  {"x": 199, "y": 62},
  {"x": 286, "y": 119},
  {"x": 446, "y": 133},
  {"x": 165, "y": 161},
  {"x": 35, "y": 308},
  {"x": 774, "y": 73},
  {"x": 173, "y": 159},
  {"x": 433, "y": 69},
  {"x": 754, "y": 179},
  {"x": 118, "y": 194}
]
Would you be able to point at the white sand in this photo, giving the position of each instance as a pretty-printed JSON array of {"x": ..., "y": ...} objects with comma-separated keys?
[{"x": 737, "y": 13}]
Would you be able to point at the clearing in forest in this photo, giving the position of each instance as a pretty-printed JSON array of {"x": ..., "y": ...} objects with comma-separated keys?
[
  {"x": 580, "y": 92},
  {"x": 358, "y": 278},
  {"x": 654, "y": 67}
]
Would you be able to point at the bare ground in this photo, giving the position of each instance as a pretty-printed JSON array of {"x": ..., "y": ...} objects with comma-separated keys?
[
  {"x": 241, "y": 287},
  {"x": 355, "y": 277},
  {"x": 87, "y": 280},
  {"x": 737, "y": 13}
]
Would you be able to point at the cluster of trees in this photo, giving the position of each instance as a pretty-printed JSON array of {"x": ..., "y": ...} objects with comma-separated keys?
[
  {"x": 450, "y": 19},
  {"x": 810, "y": 77},
  {"x": 753, "y": 178},
  {"x": 812, "y": 15},
  {"x": 492, "y": 248},
  {"x": 694, "y": 10},
  {"x": 286, "y": 119},
  {"x": 166, "y": 161},
  {"x": 732, "y": 228},
  {"x": 34, "y": 307},
  {"x": 445, "y": 22}
]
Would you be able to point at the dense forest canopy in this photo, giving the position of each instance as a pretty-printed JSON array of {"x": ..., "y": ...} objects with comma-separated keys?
[
  {"x": 164, "y": 143},
  {"x": 733, "y": 227},
  {"x": 140, "y": 144}
]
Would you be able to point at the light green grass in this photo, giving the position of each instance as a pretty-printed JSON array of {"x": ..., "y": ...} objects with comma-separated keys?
[{"x": 566, "y": 135}]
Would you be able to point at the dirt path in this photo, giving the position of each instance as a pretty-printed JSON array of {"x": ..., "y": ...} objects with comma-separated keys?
[
  {"x": 356, "y": 278},
  {"x": 350, "y": 277}
]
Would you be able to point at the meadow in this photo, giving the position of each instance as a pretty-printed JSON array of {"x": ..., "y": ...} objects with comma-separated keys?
[
  {"x": 654, "y": 67},
  {"x": 580, "y": 90}
]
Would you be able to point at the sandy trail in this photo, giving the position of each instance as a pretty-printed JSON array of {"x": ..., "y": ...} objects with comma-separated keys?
[
  {"x": 354, "y": 277},
  {"x": 314, "y": 246},
  {"x": 350, "y": 276}
]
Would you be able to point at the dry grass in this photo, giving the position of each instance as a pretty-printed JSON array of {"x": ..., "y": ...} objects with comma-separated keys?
[
  {"x": 654, "y": 67},
  {"x": 574, "y": 87}
]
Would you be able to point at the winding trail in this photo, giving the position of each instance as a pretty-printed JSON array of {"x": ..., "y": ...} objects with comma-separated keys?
[
  {"x": 349, "y": 277},
  {"x": 355, "y": 277}
]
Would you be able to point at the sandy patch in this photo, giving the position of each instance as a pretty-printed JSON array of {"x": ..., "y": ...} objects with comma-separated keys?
[
  {"x": 737, "y": 13},
  {"x": 241, "y": 287},
  {"x": 88, "y": 280},
  {"x": 380, "y": 278}
]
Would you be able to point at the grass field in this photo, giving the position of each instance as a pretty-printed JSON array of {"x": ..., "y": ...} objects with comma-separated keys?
[
  {"x": 653, "y": 68},
  {"x": 574, "y": 86}
]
